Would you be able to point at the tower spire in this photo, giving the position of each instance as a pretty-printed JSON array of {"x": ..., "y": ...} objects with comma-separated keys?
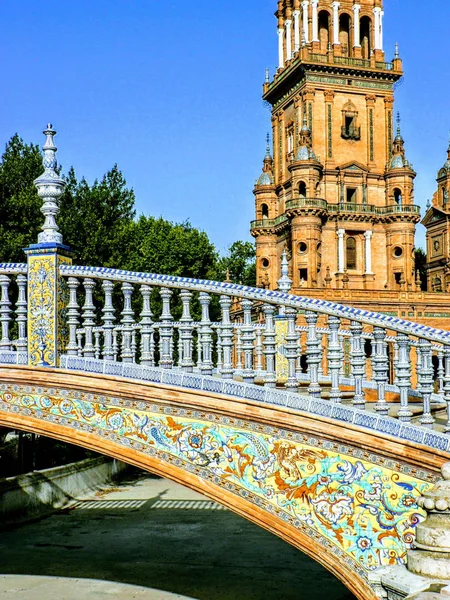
[{"x": 266, "y": 177}]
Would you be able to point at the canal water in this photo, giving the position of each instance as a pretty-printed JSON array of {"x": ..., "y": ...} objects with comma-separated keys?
[{"x": 152, "y": 533}]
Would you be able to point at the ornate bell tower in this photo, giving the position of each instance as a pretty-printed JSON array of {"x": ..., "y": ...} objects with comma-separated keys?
[{"x": 337, "y": 191}]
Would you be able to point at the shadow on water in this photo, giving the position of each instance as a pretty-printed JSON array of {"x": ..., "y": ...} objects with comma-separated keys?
[{"x": 193, "y": 547}]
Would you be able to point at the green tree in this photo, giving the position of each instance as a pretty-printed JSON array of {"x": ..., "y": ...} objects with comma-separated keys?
[
  {"x": 420, "y": 266},
  {"x": 240, "y": 263},
  {"x": 20, "y": 216},
  {"x": 93, "y": 218},
  {"x": 158, "y": 246}
]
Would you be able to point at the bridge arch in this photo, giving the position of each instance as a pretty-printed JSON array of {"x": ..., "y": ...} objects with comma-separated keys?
[{"x": 315, "y": 483}]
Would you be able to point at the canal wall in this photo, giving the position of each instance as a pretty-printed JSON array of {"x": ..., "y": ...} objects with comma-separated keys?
[{"x": 40, "y": 493}]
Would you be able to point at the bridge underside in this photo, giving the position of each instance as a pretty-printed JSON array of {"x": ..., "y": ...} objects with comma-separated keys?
[{"x": 344, "y": 495}]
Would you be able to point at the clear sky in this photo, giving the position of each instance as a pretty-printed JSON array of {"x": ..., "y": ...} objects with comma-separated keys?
[{"x": 171, "y": 91}]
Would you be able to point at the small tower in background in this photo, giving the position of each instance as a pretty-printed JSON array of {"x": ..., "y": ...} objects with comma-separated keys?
[{"x": 437, "y": 223}]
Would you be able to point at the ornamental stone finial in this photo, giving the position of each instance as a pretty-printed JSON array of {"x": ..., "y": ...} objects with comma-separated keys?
[
  {"x": 50, "y": 188},
  {"x": 431, "y": 556},
  {"x": 284, "y": 283}
]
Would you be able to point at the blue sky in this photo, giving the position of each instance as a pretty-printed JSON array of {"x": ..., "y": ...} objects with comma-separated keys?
[{"x": 171, "y": 91}]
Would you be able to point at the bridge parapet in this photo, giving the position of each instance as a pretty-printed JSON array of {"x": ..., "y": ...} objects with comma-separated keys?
[{"x": 369, "y": 361}]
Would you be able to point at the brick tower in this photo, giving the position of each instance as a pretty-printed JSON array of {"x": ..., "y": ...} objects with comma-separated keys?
[{"x": 337, "y": 191}]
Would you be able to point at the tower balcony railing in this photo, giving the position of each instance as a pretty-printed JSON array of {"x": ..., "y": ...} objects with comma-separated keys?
[
  {"x": 268, "y": 223},
  {"x": 396, "y": 209},
  {"x": 353, "y": 207},
  {"x": 352, "y": 62},
  {"x": 342, "y": 207},
  {"x": 306, "y": 203}
]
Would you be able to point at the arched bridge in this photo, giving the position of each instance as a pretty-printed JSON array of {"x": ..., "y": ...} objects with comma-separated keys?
[{"x": 319, "y": 422}]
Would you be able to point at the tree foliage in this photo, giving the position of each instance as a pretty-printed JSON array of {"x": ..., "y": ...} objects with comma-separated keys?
[
  {"x": 421, "y": 266},
  {"x": 239, "y": 263},
  {"x": 97, "y": 222},
  {"x": 158, "y": 246},
  {"x": 20, "y": 216},
  {"x": 93, "y": 218}
]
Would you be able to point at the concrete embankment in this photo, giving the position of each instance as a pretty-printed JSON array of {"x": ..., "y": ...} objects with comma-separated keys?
[{"x": 41, "y": 492}]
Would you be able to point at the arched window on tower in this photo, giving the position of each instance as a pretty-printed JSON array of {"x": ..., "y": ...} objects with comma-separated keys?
[
  {"x": 344, "y": 34},
  {"x": 351, "y": 253},
  {"x": 324, "y": 30},
  {"x": 302, "y": 189},
  {"x": 398, "y": 197},
  {"x": 264, "y": 211},
  {"x": 366, "y": 37}
]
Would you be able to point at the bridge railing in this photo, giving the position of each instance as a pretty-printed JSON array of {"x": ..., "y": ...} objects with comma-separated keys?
[
  {"x": 13, "y": 311},
  {"x": 265, "y": 337}
]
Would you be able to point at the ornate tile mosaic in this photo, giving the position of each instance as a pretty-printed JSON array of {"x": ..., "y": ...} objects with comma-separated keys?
[{"x": 357, "y": 504}]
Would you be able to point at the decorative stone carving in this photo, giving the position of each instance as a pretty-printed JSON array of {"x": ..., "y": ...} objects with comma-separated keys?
[{"x": 431, "y": 556}]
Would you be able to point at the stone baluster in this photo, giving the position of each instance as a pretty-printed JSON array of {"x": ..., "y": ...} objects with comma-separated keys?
[
  {"x": 426, "y": 382},
  {"x": 238, "y": 369},
  {"x": 166, "y": 331},
  {"x": 321, "y": 347},
  {"x": 179, "y": 345},
  {"x": 108, "y": 320},
  {"x": 447, "y": 385},
  {"x": 357, "y": 361},
  {"x": 73, "y": 313},
  {"x": 226, "y": 332},
  {"x": 152, "y": 361},
  {"x": 219, "y": 351},
  {"x": 205, "y": 335},
  {"x": 403, "y": 376},
  {"x": 5, "y": 313},
  {"x": 248, "y": 341},
  {"x": 127, "y": 323},
  {"x": 21, "y": 313},
  {"x": 80, "y": 342},
  {"x": 88, "y": 317},
  {"x": 146, "y": 323},
  {"x": 269, "y": 350},
  {"x": 298, "y": 366},
  {"x": 199, "y": 350},
  {"x": 380, "y": 366},
  {"x": 258, "y": 352},
  {"x": 115, "y": 345},
  {"x": 313, "y": 354},
  {"x": 186, "y": 333},
  {"x": 395, "y": 362},
  {"x": 334, "y": 358},
  {"x": 134, "y": 334},
  {"x": 291, "y": 345},
  {"x": 419, "y": 357},
  {"x": 342, "y": 356},
  {"x": 97, "y": 348},
  {"x": 440, "y": 370}
]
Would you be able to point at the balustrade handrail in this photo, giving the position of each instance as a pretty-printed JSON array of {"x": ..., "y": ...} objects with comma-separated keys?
[
  {"x": 306, "y": 203},
  {"x": 13, "y": 269},
  {"x": 272, "y": 297}
]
